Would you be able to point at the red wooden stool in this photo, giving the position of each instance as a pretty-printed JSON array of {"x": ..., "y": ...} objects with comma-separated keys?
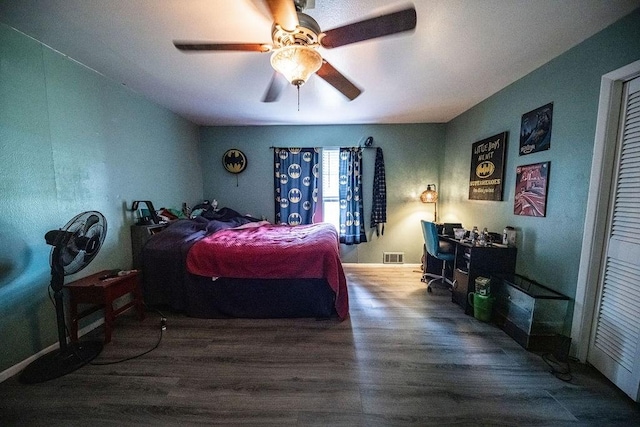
[{"x": 100, "y": 290}]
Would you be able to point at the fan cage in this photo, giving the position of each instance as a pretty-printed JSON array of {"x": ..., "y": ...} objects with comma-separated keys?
[{"x": 87, "y": 233}]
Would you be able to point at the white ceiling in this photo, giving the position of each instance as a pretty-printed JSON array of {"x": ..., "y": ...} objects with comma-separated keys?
[{"x": 461, "y": 52}]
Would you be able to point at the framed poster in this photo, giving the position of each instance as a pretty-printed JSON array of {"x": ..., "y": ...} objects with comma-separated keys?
[
  {"x": 532, "y": 184},
  {"x": 487, "y": 168},
  {"x": 535, "y": 130}
]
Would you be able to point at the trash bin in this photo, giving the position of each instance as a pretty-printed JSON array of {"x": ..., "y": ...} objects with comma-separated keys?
[{"x": 482, "y": 306}]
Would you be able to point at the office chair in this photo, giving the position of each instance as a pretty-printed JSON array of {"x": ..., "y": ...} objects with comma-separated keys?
[{"x": 433, "y": 247}]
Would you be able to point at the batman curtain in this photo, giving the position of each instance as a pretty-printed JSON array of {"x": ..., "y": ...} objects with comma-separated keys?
[
  {"x": 296, "y": 185},
  {"x": 350, "y": 188}
]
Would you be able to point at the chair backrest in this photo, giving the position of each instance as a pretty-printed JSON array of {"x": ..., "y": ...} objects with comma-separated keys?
[{"x": 431, "y": 240}]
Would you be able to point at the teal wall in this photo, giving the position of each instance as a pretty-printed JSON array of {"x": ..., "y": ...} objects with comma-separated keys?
[
  {"x": 70, "y": 141},
  {"x": 548, "y": 248},
  {"x": 412, "y": 154}
]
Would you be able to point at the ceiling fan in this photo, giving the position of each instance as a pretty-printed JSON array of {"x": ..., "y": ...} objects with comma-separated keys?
[{"x": 296, "y": 38}]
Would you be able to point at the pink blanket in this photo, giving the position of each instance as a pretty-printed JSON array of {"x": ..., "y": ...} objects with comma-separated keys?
[{"x": 274, "y": 252}]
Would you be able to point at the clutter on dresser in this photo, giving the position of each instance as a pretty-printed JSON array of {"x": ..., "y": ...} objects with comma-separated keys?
[
  {"x": 509, "y": 236},
  {"x": 145, "y": 215}
]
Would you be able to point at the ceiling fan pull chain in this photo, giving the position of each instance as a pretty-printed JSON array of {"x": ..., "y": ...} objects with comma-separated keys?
[{"x": 298, "y": 86}]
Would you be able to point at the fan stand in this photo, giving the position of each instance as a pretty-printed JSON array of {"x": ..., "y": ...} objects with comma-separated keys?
[{"x": 70, "y": 356}]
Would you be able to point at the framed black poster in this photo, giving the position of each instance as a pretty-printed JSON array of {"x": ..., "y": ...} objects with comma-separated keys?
[
  {"x": 487, "y": 168},
  {"x": 532, "y": 184},
  {"x": 535, "y": 130}
]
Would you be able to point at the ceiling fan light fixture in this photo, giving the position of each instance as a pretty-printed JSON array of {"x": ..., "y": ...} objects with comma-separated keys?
[{"x": 296, "y": 63}]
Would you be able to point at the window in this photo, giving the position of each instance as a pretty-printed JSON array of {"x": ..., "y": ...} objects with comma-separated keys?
[{"x": 330, "y": 190}]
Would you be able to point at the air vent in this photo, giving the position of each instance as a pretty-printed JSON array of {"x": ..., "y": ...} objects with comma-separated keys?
[{"x": 393, "y": 257}]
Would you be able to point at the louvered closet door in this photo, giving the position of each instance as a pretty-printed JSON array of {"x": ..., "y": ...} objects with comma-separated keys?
[{"x": 615, "y": 344}]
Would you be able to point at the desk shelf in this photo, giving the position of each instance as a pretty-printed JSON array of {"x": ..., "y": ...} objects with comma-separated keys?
[{"x": 473, "y": 261}]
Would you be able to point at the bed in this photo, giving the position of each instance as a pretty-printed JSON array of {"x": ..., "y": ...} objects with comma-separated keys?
[{"x": 229, "y": 265}]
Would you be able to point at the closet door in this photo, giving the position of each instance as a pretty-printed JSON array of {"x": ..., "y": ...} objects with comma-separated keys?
[{"x": 615, "y": 342}]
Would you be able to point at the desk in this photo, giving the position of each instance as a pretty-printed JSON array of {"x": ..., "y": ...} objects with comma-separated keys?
[
  {"x": 102, "y": 294},
  {"x": 470, "y": 262}
]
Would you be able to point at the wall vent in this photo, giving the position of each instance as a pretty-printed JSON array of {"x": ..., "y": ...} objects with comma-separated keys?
[{"x": 393, "y": 257}]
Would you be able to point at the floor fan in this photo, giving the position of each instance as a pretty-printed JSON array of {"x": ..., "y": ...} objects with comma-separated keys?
[{"x": 74, "y": 246}]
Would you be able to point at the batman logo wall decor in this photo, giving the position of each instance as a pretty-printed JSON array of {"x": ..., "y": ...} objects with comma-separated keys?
[
  {"x": 234, "y": 161},
  {"x": 485, "y": 169}
]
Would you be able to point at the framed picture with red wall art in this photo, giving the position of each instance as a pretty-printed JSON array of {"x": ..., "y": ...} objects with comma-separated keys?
[{"x": 532, "y": 185}]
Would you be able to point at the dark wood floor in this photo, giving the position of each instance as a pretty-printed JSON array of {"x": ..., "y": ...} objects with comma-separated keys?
[{"x": 404, "y": 357}]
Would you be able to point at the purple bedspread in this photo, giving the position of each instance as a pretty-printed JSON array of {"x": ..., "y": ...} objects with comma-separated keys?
[{"x": 164, "y": 255}]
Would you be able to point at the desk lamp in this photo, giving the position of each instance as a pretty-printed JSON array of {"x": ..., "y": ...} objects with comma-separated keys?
[{"x": 430, "y": 195}]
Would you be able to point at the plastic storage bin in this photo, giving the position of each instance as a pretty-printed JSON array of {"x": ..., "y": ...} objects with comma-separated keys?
[{"x": 529, "y": 312}]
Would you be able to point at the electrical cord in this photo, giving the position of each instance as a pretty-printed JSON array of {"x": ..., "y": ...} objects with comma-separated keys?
[
  {"x": 561, "y": 370},
  {"x": 163, "y": 327}
]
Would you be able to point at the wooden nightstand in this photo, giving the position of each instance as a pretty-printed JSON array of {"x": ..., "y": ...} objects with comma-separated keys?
[
  {"x": 101, "y": 294},
  {"x": 139, "y": 236}
]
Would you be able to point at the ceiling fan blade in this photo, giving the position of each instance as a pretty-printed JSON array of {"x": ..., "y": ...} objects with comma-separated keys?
[
  {"x": 392, "y": 23},
  {"x": 284, "y": 13},
  {"x": 274, "y": 90},
  {"x": 337, "y": 80},
  {"x": 248, "y": 47}
]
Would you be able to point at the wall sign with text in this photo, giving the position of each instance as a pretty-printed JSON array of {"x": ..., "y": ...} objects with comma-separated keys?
[{"x": 487, "y": 168}]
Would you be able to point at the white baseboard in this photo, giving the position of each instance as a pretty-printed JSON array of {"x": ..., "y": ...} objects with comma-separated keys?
[{"x": 17, "y": 368}]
